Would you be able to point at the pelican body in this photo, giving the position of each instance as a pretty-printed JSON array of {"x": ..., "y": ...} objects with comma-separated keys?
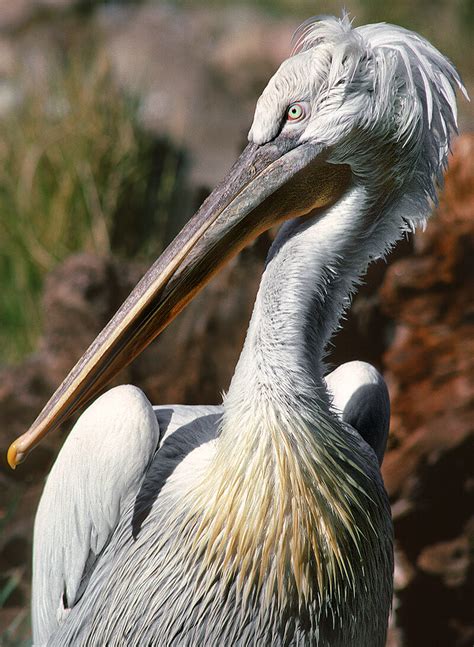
[{"x": 263, "y": 521}]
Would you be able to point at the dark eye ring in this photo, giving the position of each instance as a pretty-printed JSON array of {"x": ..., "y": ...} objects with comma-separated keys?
[{"x": 295, "y": 112}]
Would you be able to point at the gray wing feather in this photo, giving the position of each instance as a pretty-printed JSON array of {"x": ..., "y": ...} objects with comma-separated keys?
[
  {"x": 102, "y": 461},
  {"x": 360, "y": 398},
  {"x": 183, "y": 429}
]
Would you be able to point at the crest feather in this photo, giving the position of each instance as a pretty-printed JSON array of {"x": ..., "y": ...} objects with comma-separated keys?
[{"x": 413, "y": 88}]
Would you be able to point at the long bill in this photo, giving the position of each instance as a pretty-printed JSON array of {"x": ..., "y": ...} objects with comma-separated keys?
[{"x": 266, "y": 185}]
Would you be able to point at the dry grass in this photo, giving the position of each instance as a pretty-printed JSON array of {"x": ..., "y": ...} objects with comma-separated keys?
[{"x": 76, "y": 172}]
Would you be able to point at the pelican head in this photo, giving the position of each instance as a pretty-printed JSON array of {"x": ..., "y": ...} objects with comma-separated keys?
[{"x": 371, "y": 107}]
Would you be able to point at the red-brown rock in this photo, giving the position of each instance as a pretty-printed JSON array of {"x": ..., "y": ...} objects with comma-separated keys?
[{"x": 430, "y": 369}]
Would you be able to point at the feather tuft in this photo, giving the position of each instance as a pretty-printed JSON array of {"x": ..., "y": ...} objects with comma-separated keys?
[{"x": 412, "y": 88}]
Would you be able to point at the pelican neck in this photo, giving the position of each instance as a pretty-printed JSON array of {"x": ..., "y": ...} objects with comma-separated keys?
[{"x": 309, "y": 275}]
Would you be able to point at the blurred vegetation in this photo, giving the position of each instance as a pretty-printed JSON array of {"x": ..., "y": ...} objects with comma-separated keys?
[
  {"x": 449, "y": 24},
  {"x": 76, "y": 173},
  {"x": 17, "y": 629}
]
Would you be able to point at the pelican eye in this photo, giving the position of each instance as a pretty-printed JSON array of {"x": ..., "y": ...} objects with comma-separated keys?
[{"x": 296, "y": 112}]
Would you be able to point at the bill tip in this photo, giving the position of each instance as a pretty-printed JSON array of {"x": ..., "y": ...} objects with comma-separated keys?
[{"x": 12, "y": 456}]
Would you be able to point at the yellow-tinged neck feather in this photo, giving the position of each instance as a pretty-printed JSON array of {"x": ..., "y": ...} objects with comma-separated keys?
[{"x": 281, "y": 511}]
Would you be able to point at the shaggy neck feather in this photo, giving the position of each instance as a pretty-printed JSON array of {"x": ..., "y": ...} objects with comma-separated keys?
[
  {"x": 310, "y": 272},
  {"x": 283, "y": 462}
]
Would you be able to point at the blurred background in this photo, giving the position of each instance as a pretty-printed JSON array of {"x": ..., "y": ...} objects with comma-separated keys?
[{"x": 116, "y": 120}]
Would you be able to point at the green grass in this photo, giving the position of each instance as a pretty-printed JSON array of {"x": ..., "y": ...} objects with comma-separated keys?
[{"x": 76, "y": 173}]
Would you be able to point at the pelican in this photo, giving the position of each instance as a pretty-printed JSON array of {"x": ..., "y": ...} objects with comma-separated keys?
[{"x": 263, "y": 521}]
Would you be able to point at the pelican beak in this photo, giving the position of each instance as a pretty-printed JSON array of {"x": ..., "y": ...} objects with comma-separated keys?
[{"x": 267, "y": 184}]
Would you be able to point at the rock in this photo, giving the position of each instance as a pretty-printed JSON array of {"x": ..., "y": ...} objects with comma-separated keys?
[
  {"x": 448, "y": 560},
  {"x": 430, "y": 369},
  {"x": 80, "y": 297}
]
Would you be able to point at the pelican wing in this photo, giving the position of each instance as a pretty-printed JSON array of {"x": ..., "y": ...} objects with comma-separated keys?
[
  {"x": 183, "y": 429},
  {"x": 360, "y": 398},
  {"x": 101, "y": 464}
]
